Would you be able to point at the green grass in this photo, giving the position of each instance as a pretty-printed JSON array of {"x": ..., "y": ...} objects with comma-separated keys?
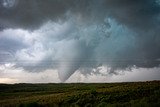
[{"x": 133, "y": 94}]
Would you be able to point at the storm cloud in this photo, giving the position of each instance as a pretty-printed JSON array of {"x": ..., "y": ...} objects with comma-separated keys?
[{"x": 80, "y": 35}]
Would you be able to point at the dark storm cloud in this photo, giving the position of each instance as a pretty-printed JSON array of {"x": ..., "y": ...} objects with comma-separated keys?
[
  {"x": 138, "y": 14},
  {"x": 31, "y": 14},
  {"x": 119, "y": 34}
]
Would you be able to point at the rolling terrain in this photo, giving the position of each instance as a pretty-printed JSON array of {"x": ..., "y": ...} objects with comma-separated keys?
[{"x": 128, "y": 94}]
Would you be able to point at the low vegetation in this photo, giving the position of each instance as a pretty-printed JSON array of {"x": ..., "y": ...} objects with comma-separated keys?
[{"x": 131, "y": 94}]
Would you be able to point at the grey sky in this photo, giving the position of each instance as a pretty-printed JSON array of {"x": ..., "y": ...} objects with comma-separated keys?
[{"x": 80, "y": 35}]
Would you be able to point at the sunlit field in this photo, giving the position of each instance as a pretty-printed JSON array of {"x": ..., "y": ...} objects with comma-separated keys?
[{"x": 131, "y": 94}]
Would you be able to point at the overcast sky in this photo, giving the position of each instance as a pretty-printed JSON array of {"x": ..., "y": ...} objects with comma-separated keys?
[{"x": 79, "y": 40}]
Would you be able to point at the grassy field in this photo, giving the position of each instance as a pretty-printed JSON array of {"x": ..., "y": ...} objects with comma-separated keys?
[{"x": 133, "y": 94}]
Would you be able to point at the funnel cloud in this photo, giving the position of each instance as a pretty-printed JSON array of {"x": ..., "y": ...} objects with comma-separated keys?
[{"x": 80, "y": 35}]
